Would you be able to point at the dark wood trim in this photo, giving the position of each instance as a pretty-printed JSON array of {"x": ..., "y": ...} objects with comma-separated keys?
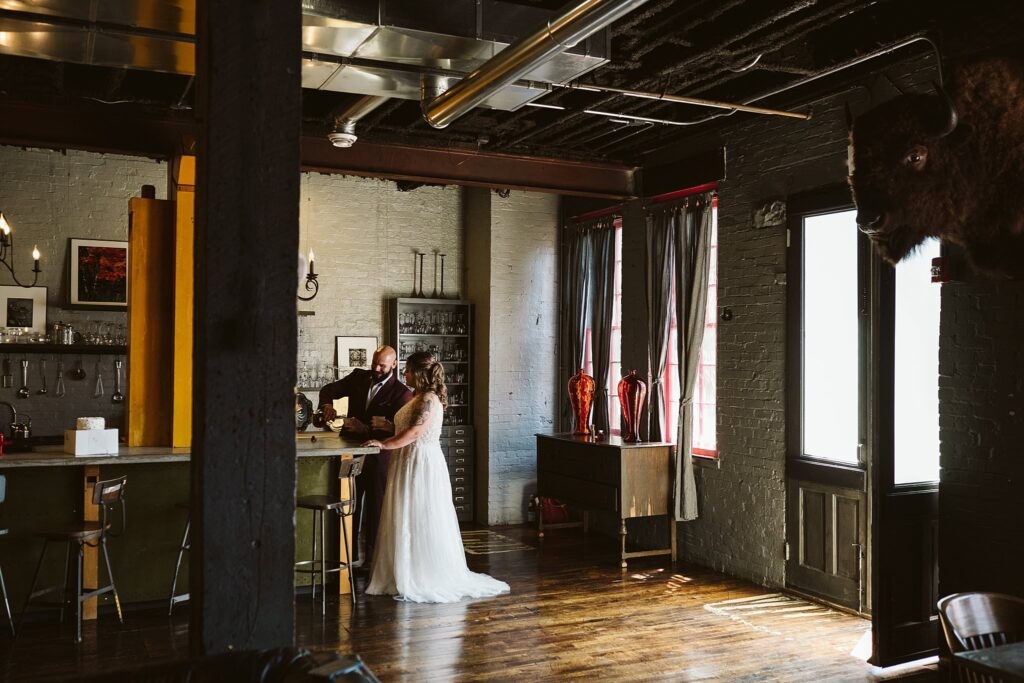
[
  {"x": 245, "y": 334},
  {"x": 828, "y": 473}
]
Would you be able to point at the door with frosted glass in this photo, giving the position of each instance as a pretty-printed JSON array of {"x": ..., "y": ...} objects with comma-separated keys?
[
  {"x": 904, "y": 427},
  {"x": 826, "y": 480}
]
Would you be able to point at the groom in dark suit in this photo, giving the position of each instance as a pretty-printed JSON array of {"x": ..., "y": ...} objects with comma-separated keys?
[{"x": 374, "y": 396}]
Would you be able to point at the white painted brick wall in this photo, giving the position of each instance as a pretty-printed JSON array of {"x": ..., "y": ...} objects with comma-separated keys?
[
  {"x": 364, "y": 233},
  {"x": 49, "y": 196},
  {"x": 523, "y": 339}
]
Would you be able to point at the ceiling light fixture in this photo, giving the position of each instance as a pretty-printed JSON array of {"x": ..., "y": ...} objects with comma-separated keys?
[{"x": 7, "y": 253}]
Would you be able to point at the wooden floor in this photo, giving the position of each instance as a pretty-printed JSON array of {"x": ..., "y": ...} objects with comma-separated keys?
[{"x": 572, "y": 615}]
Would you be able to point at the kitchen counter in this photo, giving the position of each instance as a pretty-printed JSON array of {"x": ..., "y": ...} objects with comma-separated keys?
[{"x": 307, "y": 445}]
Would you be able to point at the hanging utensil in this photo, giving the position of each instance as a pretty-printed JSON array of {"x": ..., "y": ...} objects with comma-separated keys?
[
  {"x": 117, "y": 396},
  {"x": 60, "y": 379},
  {"x": 98, "y": 391},
  {"x": 79, "y": 372},
  {"x": 23, "y": 392},
  {"x": 42, "y": 377},
  {"x": 7, "y": 379}
]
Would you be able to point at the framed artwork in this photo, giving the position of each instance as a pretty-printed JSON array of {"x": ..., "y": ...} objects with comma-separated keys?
[
  {"x": 23, "y": 307},
  {"x": 354, "y": 352},
  {"x": 99, "y": 274}
]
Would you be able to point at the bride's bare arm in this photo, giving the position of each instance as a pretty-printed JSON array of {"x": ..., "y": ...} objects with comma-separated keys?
[{"x": 422, "y": 411}]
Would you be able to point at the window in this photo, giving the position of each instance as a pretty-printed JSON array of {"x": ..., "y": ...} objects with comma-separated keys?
[
  {"x": 615, "y": 362},
  {"x": 615, "y": 353},
  {"x": 704, "y": 442}
]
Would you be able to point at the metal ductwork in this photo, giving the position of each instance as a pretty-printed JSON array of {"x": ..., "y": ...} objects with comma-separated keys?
[
  {"x": 364, "y": 47},
  {"x": 343, "y": 133},
  {"x": 523, "y": 57}
]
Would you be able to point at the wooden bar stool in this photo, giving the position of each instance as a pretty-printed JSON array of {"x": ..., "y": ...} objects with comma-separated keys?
[
  {"x": 105, "y": 494},
  {"x": 343, "y": 507},
  {"x": 185, "y": 546},
  {"x": 3, "y": 586}
]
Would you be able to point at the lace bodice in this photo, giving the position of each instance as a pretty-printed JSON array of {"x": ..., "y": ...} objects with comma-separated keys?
[{"x": 424, "y": 408}]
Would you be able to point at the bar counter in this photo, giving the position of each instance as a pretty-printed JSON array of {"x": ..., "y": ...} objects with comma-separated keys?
[
  {"x": 47, "y": 488},
  {"x": 325, "y": 445}
]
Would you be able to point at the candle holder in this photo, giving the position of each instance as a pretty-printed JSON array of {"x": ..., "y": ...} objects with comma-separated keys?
[
  {"x": 441, "y": 296},
  {"x": 434, "y": 294},
  {"x": 421, "y": 255},
  {"x": 311, "y": 284}
]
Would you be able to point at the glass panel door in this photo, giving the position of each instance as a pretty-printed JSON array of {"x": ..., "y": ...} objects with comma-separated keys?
[
  {"x": 916, "y": 369},
  {"x": 831, "y": 353}
]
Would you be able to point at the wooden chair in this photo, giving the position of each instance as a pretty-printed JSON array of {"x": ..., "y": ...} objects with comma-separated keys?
[
  {"x": 976, "y": 621},
  {"x": 3, "y": 586},
  {"x": 343, "y": 507}
]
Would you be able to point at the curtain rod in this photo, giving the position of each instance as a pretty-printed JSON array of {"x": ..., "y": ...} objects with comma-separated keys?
[{"x": 656, "y": 199}]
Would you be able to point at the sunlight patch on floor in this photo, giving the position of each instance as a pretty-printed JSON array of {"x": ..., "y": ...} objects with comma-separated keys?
[
  {"x": 487, "y": 542},
  {"x": 773, "y": 613}
]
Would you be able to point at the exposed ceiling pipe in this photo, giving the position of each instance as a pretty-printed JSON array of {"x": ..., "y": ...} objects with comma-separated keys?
[
  {"x": 699, "y": 101},
  {"x": 343, "y": 132},
  {"x": 563, "y": 32}
]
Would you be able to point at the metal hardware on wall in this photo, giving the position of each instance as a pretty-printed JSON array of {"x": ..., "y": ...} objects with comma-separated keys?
[{"x": 726, "y": 314}]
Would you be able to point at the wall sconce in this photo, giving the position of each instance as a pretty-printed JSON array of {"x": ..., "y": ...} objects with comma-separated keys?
[
  {"x": 7, "y": 253},
  {"x": 311, "y": 283}
]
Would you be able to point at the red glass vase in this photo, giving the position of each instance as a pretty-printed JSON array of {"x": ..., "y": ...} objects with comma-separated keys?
[
  {"x": 581, "y": 396},
  {"x": 632, "y": 393}
]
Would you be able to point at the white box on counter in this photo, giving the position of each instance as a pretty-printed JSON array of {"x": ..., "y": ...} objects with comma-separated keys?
[{"x": 90, "y": 441}]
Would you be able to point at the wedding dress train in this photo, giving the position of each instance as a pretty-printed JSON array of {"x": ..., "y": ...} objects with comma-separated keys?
[{"x": 419, "y": 554}]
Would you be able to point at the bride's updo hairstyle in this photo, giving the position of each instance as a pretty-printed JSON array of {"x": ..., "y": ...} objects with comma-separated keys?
[{"x": 427, "y": 375}]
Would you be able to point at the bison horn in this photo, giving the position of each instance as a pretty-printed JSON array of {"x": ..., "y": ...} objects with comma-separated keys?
[{"x": 949, "y": 119}]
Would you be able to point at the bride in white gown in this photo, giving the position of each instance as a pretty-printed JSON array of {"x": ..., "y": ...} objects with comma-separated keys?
[{"x": 419, "y": 554}]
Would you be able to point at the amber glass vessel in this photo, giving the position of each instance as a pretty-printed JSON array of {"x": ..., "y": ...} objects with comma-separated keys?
[
  {"x": 632, "y": 393},
  {"x": 581, "y": 396}
]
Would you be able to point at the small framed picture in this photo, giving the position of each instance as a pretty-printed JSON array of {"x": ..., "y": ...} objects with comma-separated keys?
[
  {"x": 354, "y": 352},
  {"x": 23, "y": 307},
  {"x": 99, "y": 274}
]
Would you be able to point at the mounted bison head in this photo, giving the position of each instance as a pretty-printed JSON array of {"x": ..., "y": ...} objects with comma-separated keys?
[{"x": 947, "y": 166}]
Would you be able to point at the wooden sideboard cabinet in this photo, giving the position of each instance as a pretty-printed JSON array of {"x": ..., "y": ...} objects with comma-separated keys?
[{"x": 627, "y": 479}]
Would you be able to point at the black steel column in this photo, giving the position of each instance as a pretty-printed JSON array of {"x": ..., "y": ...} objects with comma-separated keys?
[{"x": 247, "y": 218}]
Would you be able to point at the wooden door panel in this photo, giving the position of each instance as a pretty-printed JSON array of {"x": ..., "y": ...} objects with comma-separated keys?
[
  {"x": 828, "y": 524},
  {"x": 812, "y": 530}
]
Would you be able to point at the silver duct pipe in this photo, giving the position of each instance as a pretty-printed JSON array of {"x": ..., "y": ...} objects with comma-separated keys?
[
  {"x": 343, "y": 132},
  {"x": 518, "y": 59}
]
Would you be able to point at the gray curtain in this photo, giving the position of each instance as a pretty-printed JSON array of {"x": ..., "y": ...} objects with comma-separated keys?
[
  {"x": 692, "y": 262},
  {"x": 602, "y": 299},
  {"x": 574, "y": 279},
  {"x": 658, "y": 271}
]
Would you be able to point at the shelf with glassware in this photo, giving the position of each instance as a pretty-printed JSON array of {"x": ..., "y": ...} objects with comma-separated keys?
[{"x": 444, "y": 328}]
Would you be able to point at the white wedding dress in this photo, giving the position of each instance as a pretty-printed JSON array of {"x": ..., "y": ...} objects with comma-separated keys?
[{"x": 419, "y": 554}]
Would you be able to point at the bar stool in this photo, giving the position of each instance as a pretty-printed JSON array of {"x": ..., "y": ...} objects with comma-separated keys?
[
  {"x": 343, "y": 507},
  {"x": 3, "y": 586},
  {"x": 185, "y": 546},
  {"x": 105, "y": 494}
]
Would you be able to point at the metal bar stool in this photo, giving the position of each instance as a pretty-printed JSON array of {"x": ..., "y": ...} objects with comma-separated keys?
[
  {"x": 185, "y": 546},
  {"x": 105, "y": 494},
  {"x": 3, "y": 586},
  {"x": 343, "y": 507}
]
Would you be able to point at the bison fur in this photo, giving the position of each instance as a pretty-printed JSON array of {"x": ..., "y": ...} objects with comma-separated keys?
[{"x": 948, "y": 164}]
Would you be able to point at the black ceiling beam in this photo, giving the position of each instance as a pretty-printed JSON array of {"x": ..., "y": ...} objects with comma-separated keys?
[{"x": 108, "y": 130}]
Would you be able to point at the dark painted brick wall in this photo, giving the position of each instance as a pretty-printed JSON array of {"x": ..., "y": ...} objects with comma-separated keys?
[{"x": 981, "y": 397}]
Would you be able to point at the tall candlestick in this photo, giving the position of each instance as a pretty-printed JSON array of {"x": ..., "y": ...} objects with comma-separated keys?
[
  {"x": 311, "y": 271},
  {"x": 434, "y": 295},
  {"x": 35, "y": 257},
  {"x": 442, "y": 275}
]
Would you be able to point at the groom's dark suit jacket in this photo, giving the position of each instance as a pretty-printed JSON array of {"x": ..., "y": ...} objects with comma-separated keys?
[
  {"x": 356, "y": 385},
  {"x": 373, "y": 481}
]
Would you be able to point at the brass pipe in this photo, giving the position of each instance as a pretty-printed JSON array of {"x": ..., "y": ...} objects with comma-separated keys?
[
  {"x": 518, "y": 59},
  {"x": 685, "y": 100}
]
